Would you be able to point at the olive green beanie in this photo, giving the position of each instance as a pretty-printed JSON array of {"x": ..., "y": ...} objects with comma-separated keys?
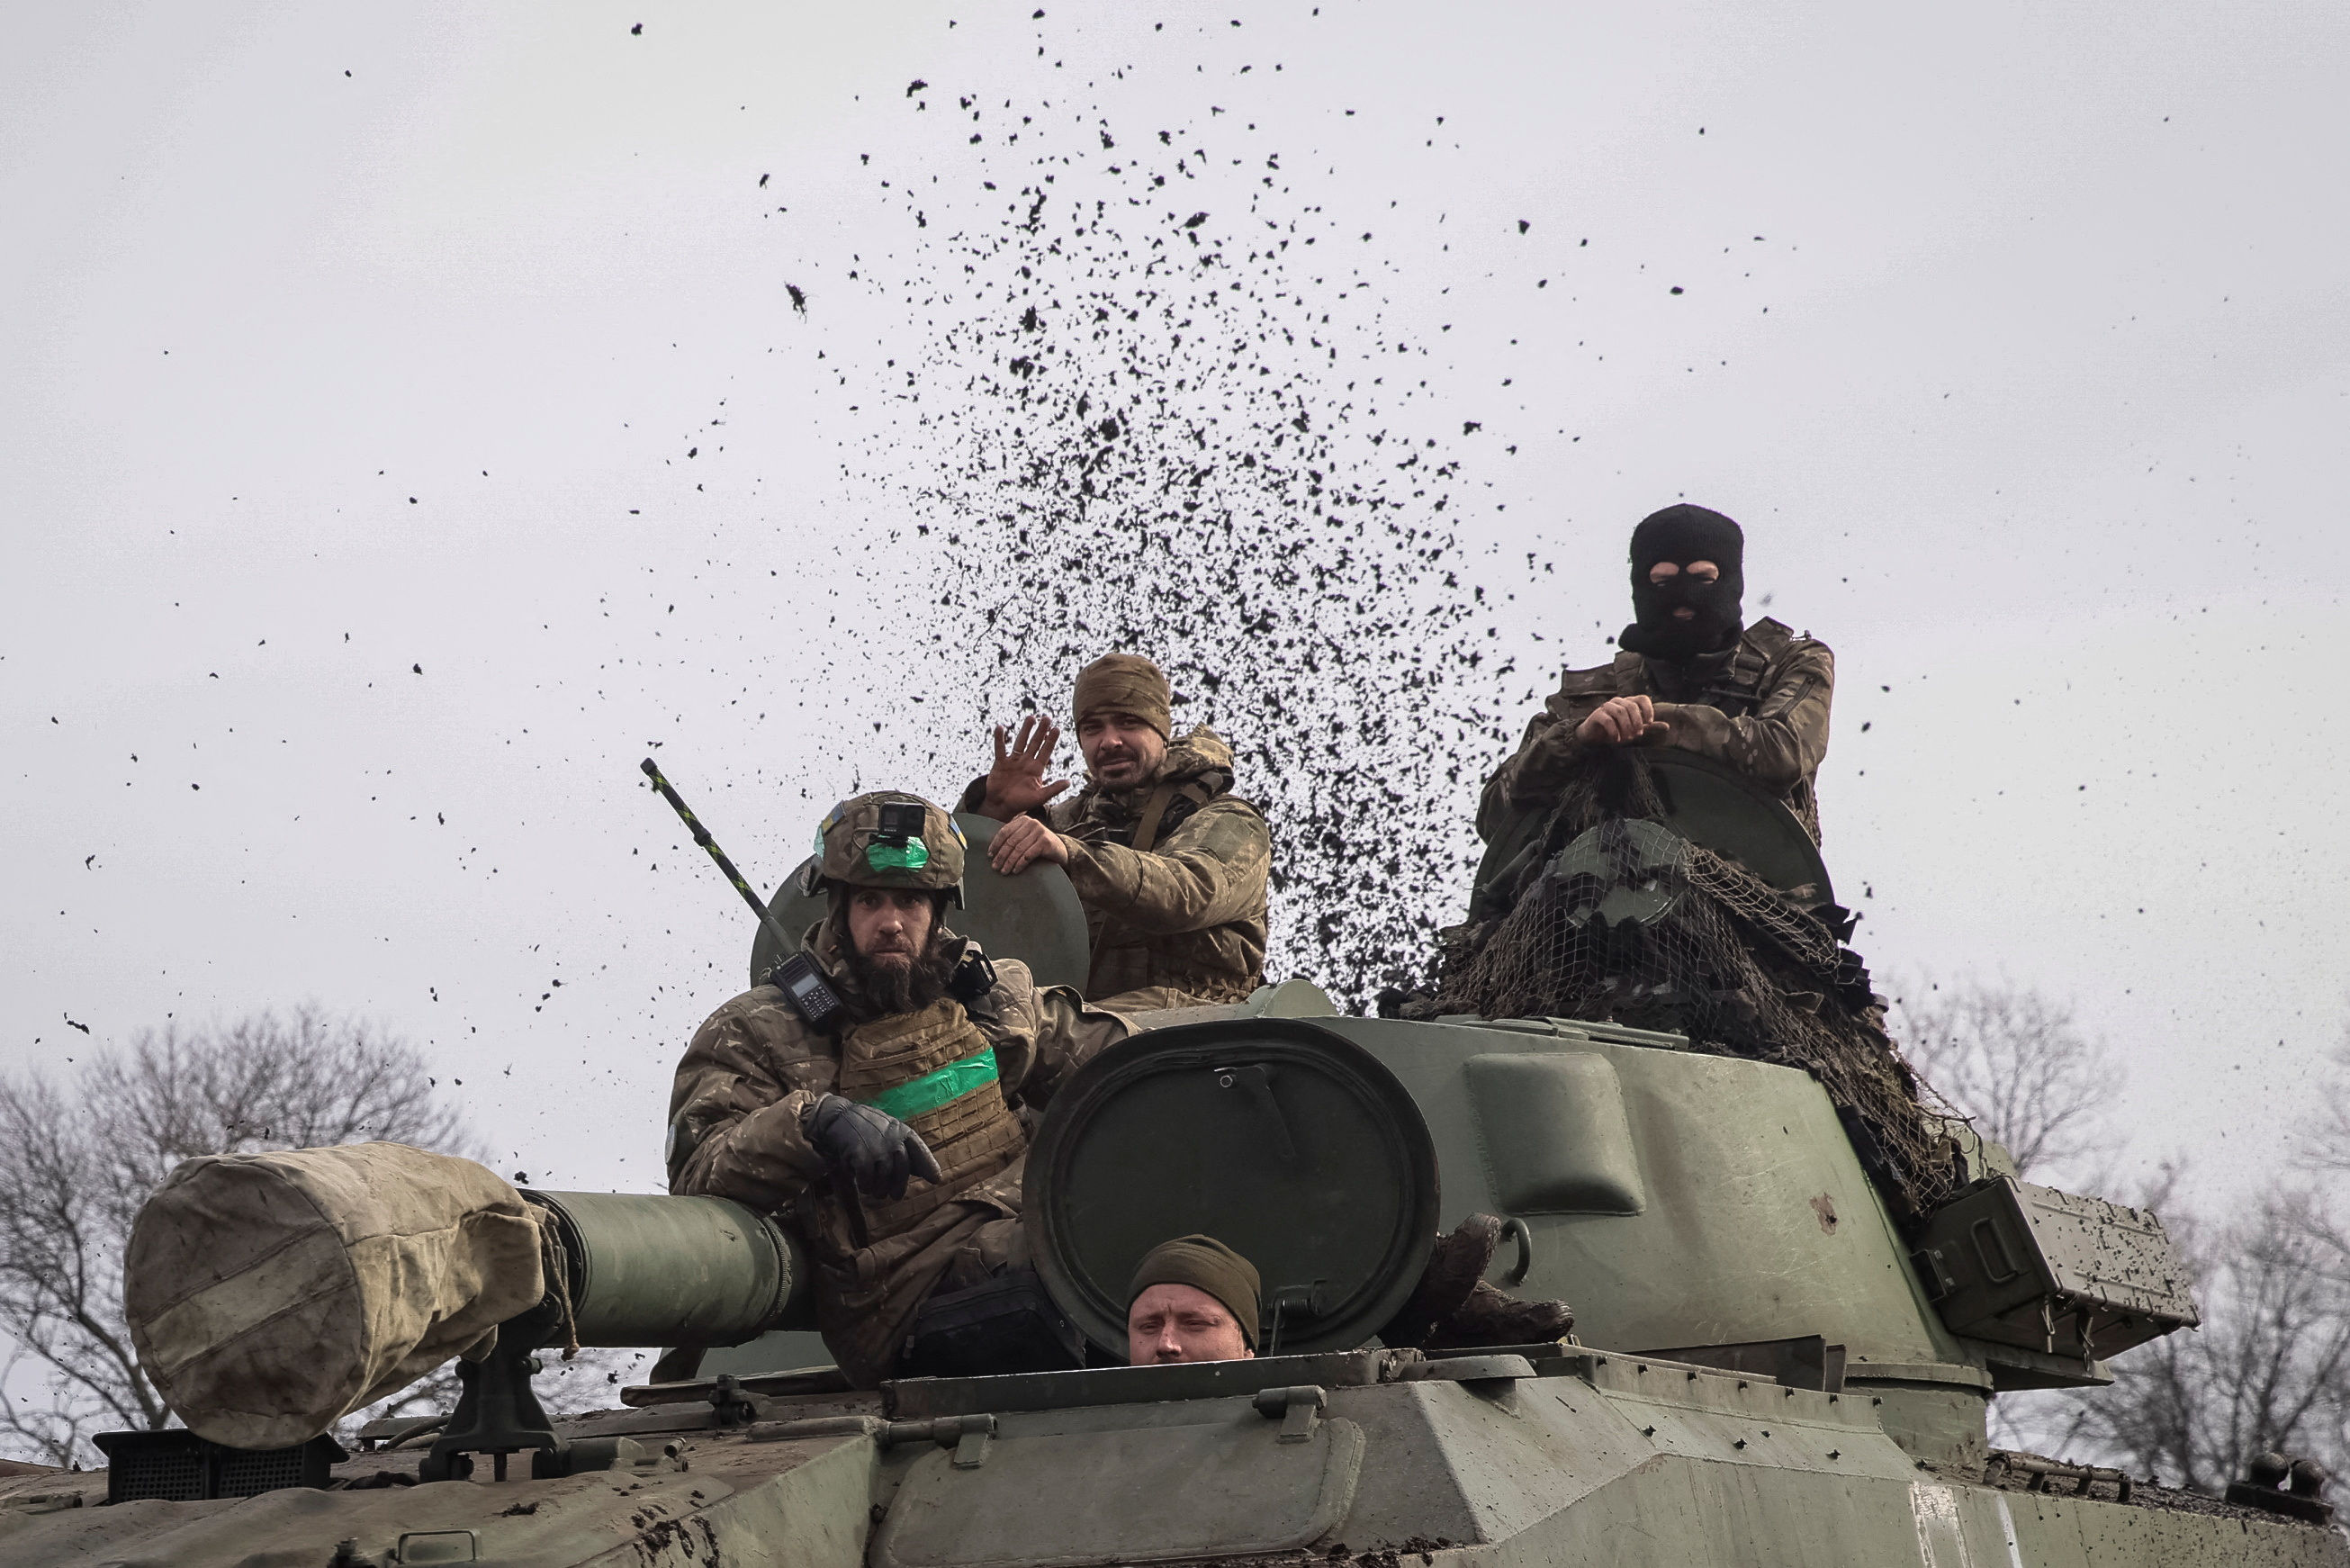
[{"x": 1205, "y": 1264}]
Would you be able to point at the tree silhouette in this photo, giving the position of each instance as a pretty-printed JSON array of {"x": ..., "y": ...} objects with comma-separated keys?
[{"x": 79, "y": 1157}]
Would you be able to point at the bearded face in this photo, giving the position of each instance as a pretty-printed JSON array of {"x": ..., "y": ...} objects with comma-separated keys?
[
  {"x": 897, "y": 952},
  {"x": 1121, "y": 751}
]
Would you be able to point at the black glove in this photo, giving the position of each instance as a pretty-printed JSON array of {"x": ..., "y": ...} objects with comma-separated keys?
[{"x": 877, "y": 1149}]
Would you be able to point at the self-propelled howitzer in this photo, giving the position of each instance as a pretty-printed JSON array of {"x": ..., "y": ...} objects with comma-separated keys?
[{"x": 1766, "y": 1369}]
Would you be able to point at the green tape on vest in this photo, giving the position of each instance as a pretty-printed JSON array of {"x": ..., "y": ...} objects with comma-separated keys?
[{"x": 937, "y": 1088}]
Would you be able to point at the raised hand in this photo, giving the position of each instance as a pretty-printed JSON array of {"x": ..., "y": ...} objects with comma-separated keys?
[{"x": 1016, "y": 784}]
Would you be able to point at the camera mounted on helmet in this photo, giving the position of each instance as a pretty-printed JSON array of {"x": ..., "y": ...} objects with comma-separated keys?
[{"x": 897, "y": 843}]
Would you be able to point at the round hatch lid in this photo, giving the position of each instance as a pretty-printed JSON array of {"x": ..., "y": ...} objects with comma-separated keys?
[
  {"x": 1710, "y": 804},
  {"x": 1034, "y": 917},
  {"x": 1282, "y": 1139}
]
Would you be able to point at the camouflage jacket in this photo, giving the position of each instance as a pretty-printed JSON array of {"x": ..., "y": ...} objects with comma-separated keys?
[
  {"x": 1761, "y": 707},
  {"x": 754, "y": 1066},
  {"x": 1182, "y": 911}
]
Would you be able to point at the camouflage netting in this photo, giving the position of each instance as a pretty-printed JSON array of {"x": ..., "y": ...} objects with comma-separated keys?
[{"x": 1617, "y": 918}]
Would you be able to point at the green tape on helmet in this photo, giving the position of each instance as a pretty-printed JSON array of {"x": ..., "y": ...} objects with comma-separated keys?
[{"x": 908, "y": 856}]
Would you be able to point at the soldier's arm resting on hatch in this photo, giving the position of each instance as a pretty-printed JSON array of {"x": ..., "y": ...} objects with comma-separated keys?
[
  {"x": 1209, "y": 871},
  {"x": 735, "y": 1115},
  {"x": 1785, "y": 736},
  {"x": 1048, "y": 1033}
]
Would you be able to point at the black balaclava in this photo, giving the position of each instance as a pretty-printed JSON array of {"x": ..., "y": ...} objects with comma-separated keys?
[{"x": 1681, "y": 534}]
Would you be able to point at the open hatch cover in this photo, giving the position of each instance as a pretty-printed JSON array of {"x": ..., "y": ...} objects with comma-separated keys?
[
  {"x": 1281, "y": 1138},
  {"x": 1710, "y": 804}
]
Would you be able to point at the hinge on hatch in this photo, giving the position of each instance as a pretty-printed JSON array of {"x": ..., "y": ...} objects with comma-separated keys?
[
  {"x": 966, "y": 1435},
  {"x": 970, "y": 1446},
  {"x": 1297, "y": 1408}
]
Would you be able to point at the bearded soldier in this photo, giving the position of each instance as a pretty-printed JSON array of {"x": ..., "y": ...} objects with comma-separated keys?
[
  {"x": 871, "y": 1092},
  {"x": 1691, "y": 675},
  {"x": 1170, "y": 864}
]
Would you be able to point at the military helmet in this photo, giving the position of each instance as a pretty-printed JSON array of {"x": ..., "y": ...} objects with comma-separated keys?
[{"x": 890, "y": 839}]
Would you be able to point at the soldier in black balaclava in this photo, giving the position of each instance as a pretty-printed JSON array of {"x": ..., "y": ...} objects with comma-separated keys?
[
  {"x": 1687, "y": 580},
  {"x": 1691, "y": 674}
]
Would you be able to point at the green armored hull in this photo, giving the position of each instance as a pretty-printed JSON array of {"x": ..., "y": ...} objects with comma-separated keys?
[
  {"x": 1581, "y": 1458},
  {"x": 1765, "y": 1378}
]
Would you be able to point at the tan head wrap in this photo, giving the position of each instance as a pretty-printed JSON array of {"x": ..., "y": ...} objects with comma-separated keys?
[
  {"x": 1125, "y": 683},
  {"x": 1205, "y": 1264}
]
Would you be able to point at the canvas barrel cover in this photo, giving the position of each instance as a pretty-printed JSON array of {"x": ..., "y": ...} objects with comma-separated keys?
[{"x": 270, "y": 1293}]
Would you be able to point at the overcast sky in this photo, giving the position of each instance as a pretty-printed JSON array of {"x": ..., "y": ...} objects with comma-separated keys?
[{"x": 354, "y": 553}]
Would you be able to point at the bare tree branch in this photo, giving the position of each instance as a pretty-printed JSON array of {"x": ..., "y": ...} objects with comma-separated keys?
[
  {"x": 2323, "y": 1135},
  {"x": 78, "y": 1159},
  {"x": 2017, "y": 1063}
]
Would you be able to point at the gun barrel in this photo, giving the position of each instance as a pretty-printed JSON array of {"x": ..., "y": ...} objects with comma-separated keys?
[{"x": 652, "y": 1270}]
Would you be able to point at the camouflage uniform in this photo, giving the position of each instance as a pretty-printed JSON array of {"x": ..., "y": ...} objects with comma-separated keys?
[
  {"x": 1760, "y": 706},
  {"x": 959, "y": 1074},
  {"x": 755, "y": 1067},
  {"x": 1172, "y": 876}
]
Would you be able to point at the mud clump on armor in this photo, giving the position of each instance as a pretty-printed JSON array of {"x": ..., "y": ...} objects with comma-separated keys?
[
  {"x": 1152, "y": 400},
  {"x": 1619, "y": 919}
]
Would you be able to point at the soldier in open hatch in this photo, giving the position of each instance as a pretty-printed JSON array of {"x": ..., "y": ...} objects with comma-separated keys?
[
  {"x": 871, "y": 1094},
  {"x": 1591, "y": 905},
  {"x": 1195, "y": 1299},
  {"x": 872, "y": 1097},
  {"x": 1170, "y": 864},
  {"x": 1691, "y": 674}
]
